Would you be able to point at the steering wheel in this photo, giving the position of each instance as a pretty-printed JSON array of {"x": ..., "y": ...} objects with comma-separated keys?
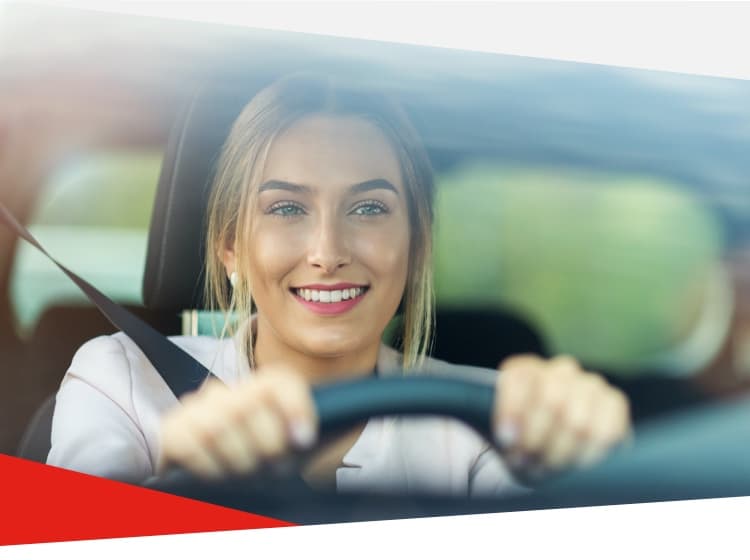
[
  {"x": 343, "y": 404},
  {"x": 698, "y": 454}
]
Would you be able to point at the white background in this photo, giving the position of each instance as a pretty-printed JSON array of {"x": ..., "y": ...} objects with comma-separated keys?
[{"x": 693, "y": 37}]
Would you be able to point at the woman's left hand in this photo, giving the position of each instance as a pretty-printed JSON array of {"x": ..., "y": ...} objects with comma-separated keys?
[{"x": 551, "y": 414}]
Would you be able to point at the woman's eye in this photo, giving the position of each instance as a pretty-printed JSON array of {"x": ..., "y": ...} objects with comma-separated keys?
[
  {"x": 370, "y": 209},
  {"x": 286, "y": 210}
]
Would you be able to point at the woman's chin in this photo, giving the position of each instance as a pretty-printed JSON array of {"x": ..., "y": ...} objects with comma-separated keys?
[{"x": 334, "y": 345}]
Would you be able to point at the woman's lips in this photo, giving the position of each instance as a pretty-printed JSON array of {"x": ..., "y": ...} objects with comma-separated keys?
[
  {"x": 326, "y": 304},
  {"x": 329, "y": 287}
]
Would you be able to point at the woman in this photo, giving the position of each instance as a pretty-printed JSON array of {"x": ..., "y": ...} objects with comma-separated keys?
[{"x": 320, "y": 218}]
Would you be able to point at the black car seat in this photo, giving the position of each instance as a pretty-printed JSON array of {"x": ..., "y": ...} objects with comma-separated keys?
[{"x": 35, "y": 442}]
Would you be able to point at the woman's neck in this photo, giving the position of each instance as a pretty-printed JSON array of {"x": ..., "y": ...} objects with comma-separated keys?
[{"x": 360, "y": 362}]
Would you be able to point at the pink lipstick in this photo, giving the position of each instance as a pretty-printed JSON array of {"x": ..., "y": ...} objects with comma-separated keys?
[{"x": 329, "y": 299}]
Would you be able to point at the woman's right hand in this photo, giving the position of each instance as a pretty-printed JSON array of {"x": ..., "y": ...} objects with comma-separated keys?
[{"x": 220, "y": 430}]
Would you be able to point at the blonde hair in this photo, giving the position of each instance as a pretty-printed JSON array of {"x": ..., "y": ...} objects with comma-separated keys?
[{"x": 240, "y": 170}]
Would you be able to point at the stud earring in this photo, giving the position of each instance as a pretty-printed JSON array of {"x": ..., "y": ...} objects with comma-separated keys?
[{"x": 233, "y": 279}]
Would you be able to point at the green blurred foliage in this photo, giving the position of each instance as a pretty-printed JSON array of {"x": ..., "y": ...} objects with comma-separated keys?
[
  {"x": 93, "y": 216},
  {"x": 111, "y": 190},
  {"x": 611, "y": 268}
]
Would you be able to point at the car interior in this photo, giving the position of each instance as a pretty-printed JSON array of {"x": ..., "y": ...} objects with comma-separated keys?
[{"x": 581, "y": 209}]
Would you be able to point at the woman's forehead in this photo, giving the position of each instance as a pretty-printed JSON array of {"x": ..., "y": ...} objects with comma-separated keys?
[{"x": 332, "y": 151}]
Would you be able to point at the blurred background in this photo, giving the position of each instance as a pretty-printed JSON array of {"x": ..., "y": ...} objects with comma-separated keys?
[{"x": 581, "y": 209}]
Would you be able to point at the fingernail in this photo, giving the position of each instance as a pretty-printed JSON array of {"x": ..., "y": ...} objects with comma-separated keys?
[
  {"x": 507, "y": 434},
  {"x": 303, "y": 434}
]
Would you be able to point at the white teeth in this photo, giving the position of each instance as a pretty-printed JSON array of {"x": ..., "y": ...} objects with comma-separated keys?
[{"x": 329, "y": 296}]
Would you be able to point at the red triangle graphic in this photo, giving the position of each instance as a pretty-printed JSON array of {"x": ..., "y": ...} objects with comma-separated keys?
[{"x": 41, "y": 503}]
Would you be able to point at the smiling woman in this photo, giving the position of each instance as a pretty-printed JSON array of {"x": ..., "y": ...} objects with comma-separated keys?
[
  {"x": 315, "y": 154},
  {"x": 320, "y": 221},
  {"x": 347, "y": 228}
]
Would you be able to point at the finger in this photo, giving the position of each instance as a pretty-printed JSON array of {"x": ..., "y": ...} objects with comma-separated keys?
[
  {"x": 546, "y": 402},
  {"x": 180, "y": 445},
  {"x": 561, "y": 450},
  {"x": 578, "y": 414},
  {"x": 198, "y": 462},
  {"x": 255, "y": 430},
  {"x": 564, "y": 361},
  {"x": 233, "y": 450},
  {"x": 290, "y": 394},
  {"x": 582, "y": 416},
  {"x": 234, "y": 444},
  {"x": 521, "y": 361},
  {"x": 535, "y": 425},
  {"x": 611, "y": 424},
  {"x": 267, "y": 430},
  {"x": 216, "y": 416},
  {"x": 513, "y": 392}
]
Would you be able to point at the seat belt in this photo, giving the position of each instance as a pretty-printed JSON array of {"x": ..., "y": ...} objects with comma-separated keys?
[{"x": 181, "y": 372}]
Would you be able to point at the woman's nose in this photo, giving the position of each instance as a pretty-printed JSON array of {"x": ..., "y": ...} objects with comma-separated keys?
[{"x": 329, "y": 246}]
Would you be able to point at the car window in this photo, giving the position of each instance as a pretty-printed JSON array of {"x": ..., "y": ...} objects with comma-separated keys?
[
  {"x": 93, "y": 217},
  {"x": 619, "y": 269}
]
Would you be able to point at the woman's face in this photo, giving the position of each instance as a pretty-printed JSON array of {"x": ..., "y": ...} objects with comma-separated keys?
[{"x": 329, "y": 249}]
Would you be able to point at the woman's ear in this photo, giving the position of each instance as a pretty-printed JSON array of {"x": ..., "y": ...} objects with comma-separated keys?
[{"x": 228, "y": 259}]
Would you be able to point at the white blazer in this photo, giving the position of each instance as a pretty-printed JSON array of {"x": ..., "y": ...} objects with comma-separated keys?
[{"x": 108, "y": 410}]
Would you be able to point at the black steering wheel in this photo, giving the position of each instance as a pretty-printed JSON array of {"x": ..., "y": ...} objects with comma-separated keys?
[
  {"x": 343, "y": 404},
  {"x": 698, "y": 454}
]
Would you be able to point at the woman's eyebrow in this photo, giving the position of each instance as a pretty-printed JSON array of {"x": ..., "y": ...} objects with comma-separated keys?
[
  {"x": 283, "y": 185},
  {"x": 372, "y": 184},
  {"x": 357, "y": 188}
]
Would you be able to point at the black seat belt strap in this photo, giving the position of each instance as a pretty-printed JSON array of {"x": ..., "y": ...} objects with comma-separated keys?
[{"x": 180, "y": 371}]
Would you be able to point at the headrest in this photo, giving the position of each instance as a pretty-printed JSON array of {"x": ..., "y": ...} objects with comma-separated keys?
[{"x": 174, "y": 274}]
